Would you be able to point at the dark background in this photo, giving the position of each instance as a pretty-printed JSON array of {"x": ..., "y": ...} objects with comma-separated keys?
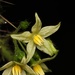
[{"x": 50, "y": 13}]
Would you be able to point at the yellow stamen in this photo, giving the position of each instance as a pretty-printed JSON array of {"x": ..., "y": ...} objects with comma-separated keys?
[
  {"x": 16, "y": 70},
  {"x": 38, "y": 70},
  {"x": 38, "y": 40}
]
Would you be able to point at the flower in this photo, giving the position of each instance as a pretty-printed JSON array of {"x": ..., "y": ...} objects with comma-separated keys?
[
  {"x": 16, "y": 68},
  {"x": 37, "y": 37},
  {"x": 38, "y": 69},
  {"x": 38, "y": 64}
]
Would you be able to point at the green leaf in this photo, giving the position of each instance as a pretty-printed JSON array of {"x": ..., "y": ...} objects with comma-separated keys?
[{"x": 49, "y": 30}]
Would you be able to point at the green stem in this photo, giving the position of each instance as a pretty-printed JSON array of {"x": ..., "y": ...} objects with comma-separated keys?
[
  {"x": 18, "y": 51},
  {"x": 44, "y": 60},
  {"x": 22, "y": 47},
  {"x": 17, "y": 29},
  {"x": 15, "y": 45}
]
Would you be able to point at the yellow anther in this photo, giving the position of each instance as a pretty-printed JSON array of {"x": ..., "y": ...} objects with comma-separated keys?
[
  {"x": 38, "y": 40},
  {"x": 38, "y": 70},
  {"x": 16, "y": 70}
]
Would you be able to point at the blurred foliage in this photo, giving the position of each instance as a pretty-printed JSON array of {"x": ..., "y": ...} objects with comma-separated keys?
[{"x": 10, "y": 49}]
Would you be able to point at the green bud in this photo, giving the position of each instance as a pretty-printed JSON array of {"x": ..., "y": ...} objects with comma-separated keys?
[{"x": 24, "y": 24}]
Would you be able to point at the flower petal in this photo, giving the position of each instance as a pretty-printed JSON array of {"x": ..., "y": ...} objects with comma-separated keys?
[
  {"x": 45, "y": 48},
  {"x": 7, "y": 65},
  {"x": 30, "y": 50},
  {"x": 25, "y": 36},
  {"x": 29, "y": 70},
  {"x": 23, "y": 72},
  {"x": 37, "y": 26},
  {"x": 45, "y": 68},
  {"x": 49, "y": 30},
  {"x": 7, "y": 71},
  {"x": 23, "y": 61},
  {"x": 52, "y": 46},
  {"x": 38, "y": 70}
]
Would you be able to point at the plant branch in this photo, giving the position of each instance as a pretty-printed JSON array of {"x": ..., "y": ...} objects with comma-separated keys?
[
  {"x": 6, "y": 2},
  {"x": 7, "y": 21}
]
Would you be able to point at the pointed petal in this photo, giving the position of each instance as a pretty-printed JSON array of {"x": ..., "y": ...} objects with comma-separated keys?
[
  {"x": 7, "y": 71},
  {"x": 46, "y": 48},
  {"x": 45, "y": 68},
  {"x": 23, "y": 72},
  {"x": 29, "y": 70},
  {"x": 18, "y": 63},
  {"x": 49, "y": 30},
  {"x": 25, "y": 36},
  {"x": 30, "y": 50},
  {"x": 23, "y": 61},
  {"x": 7, "y": 65},
  {"x": 37, "y": 26}
]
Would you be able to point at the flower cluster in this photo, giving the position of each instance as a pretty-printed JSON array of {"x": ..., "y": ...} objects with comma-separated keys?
[{"x": 27, "y": 60}]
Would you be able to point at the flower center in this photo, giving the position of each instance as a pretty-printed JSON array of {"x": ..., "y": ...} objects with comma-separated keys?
[
  {"x": 38, "y": 40},
  {"x": 38, "y": 70},
  {"x": 16, "y": 70}
]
